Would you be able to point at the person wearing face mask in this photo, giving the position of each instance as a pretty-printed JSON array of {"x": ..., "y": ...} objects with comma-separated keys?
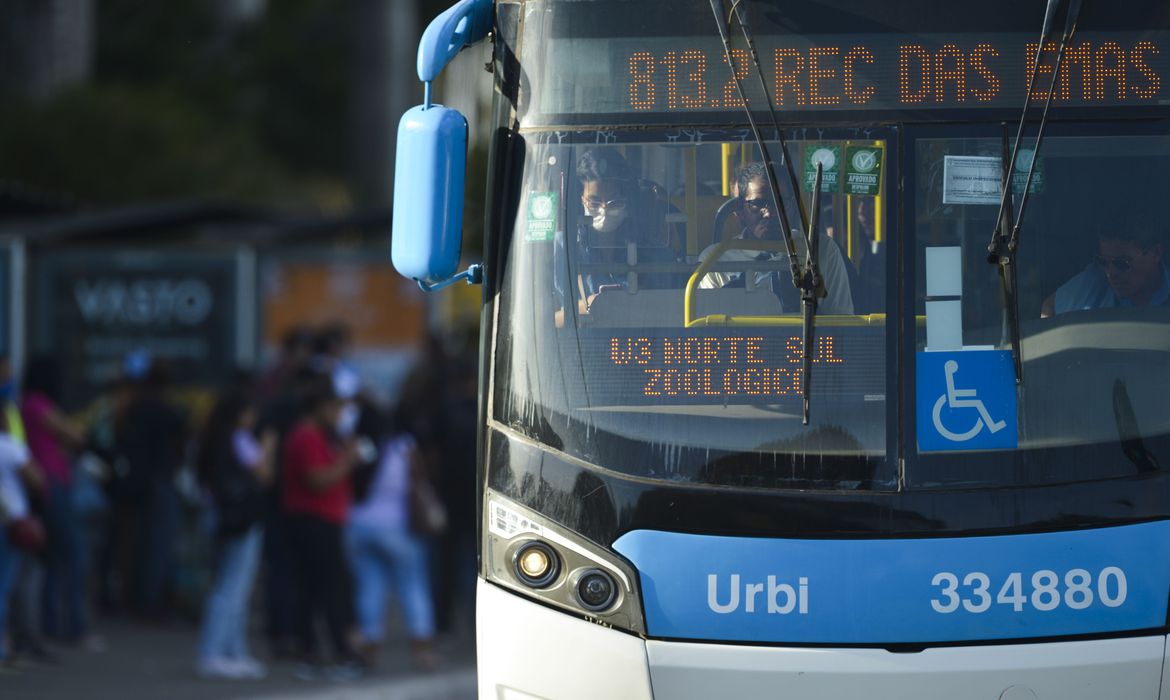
[
  {"x": 618, "y": 225},
  {"x": 316, "y": 495}
]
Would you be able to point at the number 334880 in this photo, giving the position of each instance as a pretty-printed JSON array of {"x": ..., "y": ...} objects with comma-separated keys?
[{"x": 1076, "y": 589}]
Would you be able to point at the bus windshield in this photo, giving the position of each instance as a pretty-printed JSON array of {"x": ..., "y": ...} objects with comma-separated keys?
[
  {"x": 1094, "y": 298},
  {"x": 653, "y": 322},
  {"x": 647, "y": 319}
]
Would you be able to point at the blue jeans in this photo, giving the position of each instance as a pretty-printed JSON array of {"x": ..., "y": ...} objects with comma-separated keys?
[
  {"x": 10, "y": 558},
  {"x": 225, "y": 615},
  {"x": 382, "y": 558},
  {"x": 63, "y": 600}
]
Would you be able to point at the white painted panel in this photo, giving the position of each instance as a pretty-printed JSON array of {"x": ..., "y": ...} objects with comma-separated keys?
[
  {"x": 944, "y": 271},
  {"x": 1089, "y": 670},
  {"x": 530, "y": 652},
  {"x": 944, "y": 325}
]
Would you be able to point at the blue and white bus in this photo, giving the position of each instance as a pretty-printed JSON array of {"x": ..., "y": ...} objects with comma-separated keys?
[{"x": 909, "y": 442}]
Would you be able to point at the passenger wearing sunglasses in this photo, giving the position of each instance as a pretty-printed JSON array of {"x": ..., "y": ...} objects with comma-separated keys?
[
  {"x": 758, "y": 221},
  {"x": 1127, "y": 270}
]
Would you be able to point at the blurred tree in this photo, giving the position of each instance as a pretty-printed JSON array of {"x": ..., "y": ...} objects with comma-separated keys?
[
  {"x": 114, "y": 144},
  {"x": 298, "y": 62},
  {"x": 293, "y": 101},
  {"x": 188, "y": 100}
]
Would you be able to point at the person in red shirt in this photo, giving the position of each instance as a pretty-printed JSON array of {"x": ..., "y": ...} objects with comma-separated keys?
[{"x": 315, "y": 493}]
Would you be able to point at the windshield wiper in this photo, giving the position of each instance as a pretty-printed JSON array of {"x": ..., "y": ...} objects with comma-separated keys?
[
  {"x": 806, "y": 278},
  {"x": 811, "y": 288},
  {"x": 789, "y": 244},
  {"x": 741, "y": 14},
  {"x": 1004, "y": 244}
]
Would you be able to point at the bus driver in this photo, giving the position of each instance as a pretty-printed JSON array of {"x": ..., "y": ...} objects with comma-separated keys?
[
  {"x": 754, "y": 211},
  {"x": 1128, "y": 270}
]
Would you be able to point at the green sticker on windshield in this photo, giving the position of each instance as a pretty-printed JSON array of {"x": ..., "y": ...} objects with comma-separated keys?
[
  {"x": 830, "y": 159},
  {"x": 863, "y": 170},
  {"x": 542, "y": 216},
  {"x": 1020, "y": 176}
]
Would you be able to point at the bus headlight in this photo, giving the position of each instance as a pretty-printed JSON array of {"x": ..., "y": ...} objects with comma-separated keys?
[
  {"x": 529, "y": 554},
  {"x": 536, "y": 564},
  {"x": 595, "y": 590}
]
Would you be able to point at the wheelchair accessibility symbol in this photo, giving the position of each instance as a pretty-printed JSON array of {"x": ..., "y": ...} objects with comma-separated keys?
[
  {"x": 962, "y": 398},
  {"x": 966, "y": 400}
]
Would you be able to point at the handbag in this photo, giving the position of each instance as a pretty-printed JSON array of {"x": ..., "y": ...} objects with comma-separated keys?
[
  {"x": 27, "y": 534},
  {"x": 239, "y": 501},
  {"x": 428, "y": 515}
]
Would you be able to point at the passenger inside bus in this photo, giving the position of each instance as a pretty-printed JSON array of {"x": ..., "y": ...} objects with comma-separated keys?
[
  {"x": 871, "y": 265},
  {"x": 1128, "y": 270},
  {"x": 758, "y": 221},
  {"x": 622, "y": 226}
]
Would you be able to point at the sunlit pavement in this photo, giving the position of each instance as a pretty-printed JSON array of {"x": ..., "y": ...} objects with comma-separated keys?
[{"x": 158, "y": 663}]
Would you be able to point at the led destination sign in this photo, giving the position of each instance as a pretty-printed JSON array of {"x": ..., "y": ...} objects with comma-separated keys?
[
  {"x": 859, "y": 72},
  {"x": 760, "y": 366}
]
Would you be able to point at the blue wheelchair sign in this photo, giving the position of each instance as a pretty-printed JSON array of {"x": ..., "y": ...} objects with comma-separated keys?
[{"x": 966, "y": 401}]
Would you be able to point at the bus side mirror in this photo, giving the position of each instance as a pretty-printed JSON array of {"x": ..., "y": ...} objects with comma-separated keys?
[
  {"x": 427, "y": 234},
  {"x": 429, "y": 167}
]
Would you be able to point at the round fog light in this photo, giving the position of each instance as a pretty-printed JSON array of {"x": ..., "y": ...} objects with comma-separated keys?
[
  {"x": 536, "y": 564},
  {"x": 596, "y": 590}
]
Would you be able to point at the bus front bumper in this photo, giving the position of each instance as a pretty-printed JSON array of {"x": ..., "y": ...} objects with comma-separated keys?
[{"x": 527, "y": 651}]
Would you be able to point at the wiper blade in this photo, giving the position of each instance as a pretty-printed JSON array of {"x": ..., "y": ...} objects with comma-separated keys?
[
  {"x": 807, "y": 277},
  {"x": 741, "y": 14},
  {"x": 785, "y": 229},
  {"x": 1004, "y": 244},
  {"x": 811, "y": 289}
]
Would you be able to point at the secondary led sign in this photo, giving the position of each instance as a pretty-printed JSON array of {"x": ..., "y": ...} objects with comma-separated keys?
[{"x": 728, "y": 367}]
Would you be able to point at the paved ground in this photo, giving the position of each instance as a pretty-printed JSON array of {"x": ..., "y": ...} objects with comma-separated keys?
[{"x": 157, "y": 663}]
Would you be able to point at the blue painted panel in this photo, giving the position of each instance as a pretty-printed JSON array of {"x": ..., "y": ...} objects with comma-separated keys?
[
  {"x": 902, "y": 591},
  {"x": 429, "y": 170},
  {"x": 966, "y": 401},
  {"x": 463, "y": 24}
]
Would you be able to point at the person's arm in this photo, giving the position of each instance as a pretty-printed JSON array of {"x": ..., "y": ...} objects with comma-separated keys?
[
  {"x": 264, "y": 468},
  {"x": 64, "y": 429},
  {"x": 1048, "y": 308},
  {"x": 839, "y": 298},
  {"x": 322, "y": 478},
  {"x": 32, "y": 476}
]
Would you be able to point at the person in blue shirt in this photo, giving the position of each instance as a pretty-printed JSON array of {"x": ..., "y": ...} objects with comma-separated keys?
[{"x": 1128, "y": 270}]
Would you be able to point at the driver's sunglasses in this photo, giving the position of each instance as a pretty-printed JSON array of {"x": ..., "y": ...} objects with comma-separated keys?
[
  {"x": 594, "y": 206},
  {"x": 1120, "y": 264},
  {"x": 758, "y": 204}
]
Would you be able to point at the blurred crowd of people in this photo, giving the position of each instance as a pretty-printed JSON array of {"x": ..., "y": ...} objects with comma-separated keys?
[{"x": 303, "y": 494}]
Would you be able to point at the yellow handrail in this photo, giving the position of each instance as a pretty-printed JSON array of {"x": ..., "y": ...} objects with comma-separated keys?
[
  {"x": 834, "y": 320},
  {"x": 825, "y": 321},
  {"x": 714, "y": 257}
]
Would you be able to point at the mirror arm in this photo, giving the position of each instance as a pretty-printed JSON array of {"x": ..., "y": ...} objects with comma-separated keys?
[
  {"x": 472, "y": 275},
  {"x": 461, "y": 25}
]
